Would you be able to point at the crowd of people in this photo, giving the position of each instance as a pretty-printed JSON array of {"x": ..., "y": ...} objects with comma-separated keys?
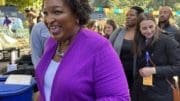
[{"x": 78, "y": 60}]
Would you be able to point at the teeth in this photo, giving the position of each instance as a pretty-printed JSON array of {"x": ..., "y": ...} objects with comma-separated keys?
[{"x": 54, "y": 29}]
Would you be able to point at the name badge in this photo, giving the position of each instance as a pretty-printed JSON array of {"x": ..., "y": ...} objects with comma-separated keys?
[{"x": 148, "y": 81}]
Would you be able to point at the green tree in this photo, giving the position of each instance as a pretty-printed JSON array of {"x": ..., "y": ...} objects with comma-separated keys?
[
  {"x": 124, "y": 5},
  {"x": 101, "y": 3},
  {"x": 148, "y": 5},
  {"x": 155, "y": 4},
  {"x": 22, "y": 4}
]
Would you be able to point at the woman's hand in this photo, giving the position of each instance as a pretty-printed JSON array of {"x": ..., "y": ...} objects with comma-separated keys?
[{"x": 147, "y": 71}]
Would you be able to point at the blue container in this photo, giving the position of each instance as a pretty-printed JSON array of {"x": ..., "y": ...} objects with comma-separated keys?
[
  {"x": 15, "y": 92},
  {"x": 3, "y": 78}
]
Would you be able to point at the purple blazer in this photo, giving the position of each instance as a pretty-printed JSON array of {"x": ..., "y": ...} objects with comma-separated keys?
[{"x": 89, "y": 71}]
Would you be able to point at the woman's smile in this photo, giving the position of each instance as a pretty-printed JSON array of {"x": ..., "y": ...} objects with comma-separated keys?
[{"x": 55, "y": 30}]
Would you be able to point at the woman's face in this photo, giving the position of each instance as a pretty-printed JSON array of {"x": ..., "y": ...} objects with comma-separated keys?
[
  {"x": 147, "y": 28},
  {"x": 131, "y": 18},
  {"x": 108, "y": 29},
  {"x": 59, "y": 19}
]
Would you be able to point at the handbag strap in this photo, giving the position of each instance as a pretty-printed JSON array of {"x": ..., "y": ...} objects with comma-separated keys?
[{"x": 173, "y": 86}]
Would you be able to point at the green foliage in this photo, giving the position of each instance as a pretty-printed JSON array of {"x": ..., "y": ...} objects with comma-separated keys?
[
  {"x": 101, "y": 3},
  {"x": 123, "y": 4},
  {"x": 118, "y": 18},
  {"x": 148, "y": 5},
  {"x": 177, "y": 19},
  {"x": 155, "y": 4},
  {"x": 22, "y": 4}
]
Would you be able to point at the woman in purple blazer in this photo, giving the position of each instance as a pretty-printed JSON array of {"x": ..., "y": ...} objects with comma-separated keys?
[{"x": 77, "y": 64}]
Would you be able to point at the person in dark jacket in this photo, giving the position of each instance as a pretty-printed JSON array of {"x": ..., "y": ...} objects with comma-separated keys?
[
  {"x": 158, "y": 60},
  {"x": 172, "y": 30},
  {"x": 122, "y": 41},
  {"x": 165, "y": 13},
  {"x": 177, "y": 37}
]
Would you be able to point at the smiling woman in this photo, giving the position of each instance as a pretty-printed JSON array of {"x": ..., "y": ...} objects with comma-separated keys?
[
  {"x": 77, "y": 64},
  {"x": 157, "y": 58}
]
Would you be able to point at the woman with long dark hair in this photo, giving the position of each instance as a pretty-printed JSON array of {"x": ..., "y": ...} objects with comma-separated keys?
[
  {"x": 158, "y": 60},
  {"x": 122, "y": 41}
]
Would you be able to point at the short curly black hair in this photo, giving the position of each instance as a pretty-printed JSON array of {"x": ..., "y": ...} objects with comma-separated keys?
[
  {"x": 138, "y": 9},
  {"x": 81, "y": 9}
]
